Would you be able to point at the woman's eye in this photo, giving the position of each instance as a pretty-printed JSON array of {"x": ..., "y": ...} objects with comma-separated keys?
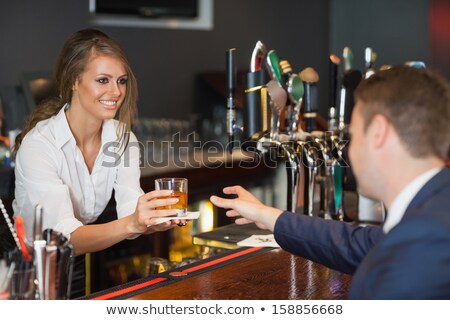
[
  {"x": 103, "y": 80},
  {"x": 122, "y": 81}
]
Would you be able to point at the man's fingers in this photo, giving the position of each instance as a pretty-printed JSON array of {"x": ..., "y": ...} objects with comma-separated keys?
[
  {"x": 230, "y": 190},
  {"x": 221, "y": 202},
  {"x": 238, "y": 190},
  {"x": 232, "y": 213},
  {"x": 242, "y": 221}
]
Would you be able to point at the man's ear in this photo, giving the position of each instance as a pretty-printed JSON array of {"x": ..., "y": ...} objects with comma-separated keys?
[{"x": 379, "y": 130}]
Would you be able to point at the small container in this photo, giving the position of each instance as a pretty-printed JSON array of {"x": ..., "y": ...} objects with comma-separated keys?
[
  {"x": 179, "y": 186},
  {"x": 156, "y": 265},
  {"x": 22, "y": 285}
]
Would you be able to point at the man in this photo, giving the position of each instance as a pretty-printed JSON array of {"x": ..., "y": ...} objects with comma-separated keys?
[{"x": 400, "y": 142}]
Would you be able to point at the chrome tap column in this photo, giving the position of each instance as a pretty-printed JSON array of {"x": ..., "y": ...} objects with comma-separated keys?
[{"x": 267, "y": 91}]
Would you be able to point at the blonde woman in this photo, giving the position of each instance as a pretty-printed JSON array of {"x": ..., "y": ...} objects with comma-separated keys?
[{"x": 77, "y": 148}]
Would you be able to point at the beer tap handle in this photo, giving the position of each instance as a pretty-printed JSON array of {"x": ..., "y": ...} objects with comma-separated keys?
[
  {"x": 350, "y": 81},
  {"x": 369, "y": 58},
  {"x": 273, "y": 66},
  {"x": 310, "y": 78},
  {"x": 231, "y": 87},
  {"x": 415, "y": 64},
  {"x": 347, "y": 55},
  {"x": 278, "y": 99},
  {"x": 295, "y": 91},
  {"x": 258, "y": 54},
  {"x": 333, "y": 70}
]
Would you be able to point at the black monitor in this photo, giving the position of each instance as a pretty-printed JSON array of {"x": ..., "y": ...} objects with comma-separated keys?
[{"x": 146, "y": 8}]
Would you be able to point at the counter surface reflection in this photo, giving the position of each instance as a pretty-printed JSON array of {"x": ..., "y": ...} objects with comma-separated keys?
[{"x": 269, "y": 274}]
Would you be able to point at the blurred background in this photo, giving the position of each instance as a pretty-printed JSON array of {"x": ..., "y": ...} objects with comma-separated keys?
[{"x": 169, "y": 62}]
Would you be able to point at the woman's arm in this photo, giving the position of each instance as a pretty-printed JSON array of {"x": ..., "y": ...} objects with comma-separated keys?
[
  {"x": 97, "y": 237},
  {"x": 144, "y": 220}
]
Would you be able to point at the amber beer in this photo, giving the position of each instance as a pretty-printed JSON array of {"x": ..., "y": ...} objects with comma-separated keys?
[{"x": 179, "y": 190}]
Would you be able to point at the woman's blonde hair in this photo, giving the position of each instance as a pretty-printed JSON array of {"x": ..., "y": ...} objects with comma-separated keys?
[{"x": 70, "y": 65}]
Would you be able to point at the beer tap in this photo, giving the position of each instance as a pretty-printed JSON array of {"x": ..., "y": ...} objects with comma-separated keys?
[
  {"x": 416, "y": 64},
  {"x": 327, "y": 207},
  {"x": 347, "y": 55},
  {"x": 333, "y": 63},
  {"x": 297, "y": 149},
  {"x": 294, "y": 86},
  {"x": 369, "y": 59},
  {"x": 255, "y": 95},
  {"x": 310, "y": 78},
  {"x": 302, "y": 166},
  {"x": 335, "y": 175},
  {"x": 258, "y": 96},
  {"x": 327, "y": 140},
  {"x": 231, "y": 86},
  {"x": 350, "y": 81},
  {"x": 273, "y": 66},
  {"x": 310, "y": 148},
  {"x": 286, "y": 72},
  {"x": 277, "y": 102},
  {"x": 276, "y": 91},
  {"x": 309, "y": 160},
  {"x": 284, "y": 150}
]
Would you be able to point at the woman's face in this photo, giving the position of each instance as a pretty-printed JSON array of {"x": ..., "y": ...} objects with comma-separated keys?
[{"x": 101, "y": 89}]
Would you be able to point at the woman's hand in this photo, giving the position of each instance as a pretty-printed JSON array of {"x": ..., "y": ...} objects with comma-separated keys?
[
  {"x": 247, "y": 208},
  {"x": 145, "y": 217}
]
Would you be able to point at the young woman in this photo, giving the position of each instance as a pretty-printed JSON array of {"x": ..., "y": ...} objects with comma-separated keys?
[{"x": 72, "y": 153}]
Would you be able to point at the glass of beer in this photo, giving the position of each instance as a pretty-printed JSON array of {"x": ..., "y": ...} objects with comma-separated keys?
[{"x": 179, "y": 187}]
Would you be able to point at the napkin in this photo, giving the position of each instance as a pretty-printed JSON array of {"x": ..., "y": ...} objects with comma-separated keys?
[
  {"x": 264, "y": 240},
  {"x": 190, "y": 216}
]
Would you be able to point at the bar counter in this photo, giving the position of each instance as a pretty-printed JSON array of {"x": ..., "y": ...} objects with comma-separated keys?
[{"x": 244, "y": 274}]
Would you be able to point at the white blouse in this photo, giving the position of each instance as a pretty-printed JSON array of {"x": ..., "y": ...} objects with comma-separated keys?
[{"x": 50, "y": 170}]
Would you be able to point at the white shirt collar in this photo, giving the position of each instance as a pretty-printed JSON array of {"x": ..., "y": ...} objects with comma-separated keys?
[
  {"x": 62, "y": 129},
  {"x": 404, "y": 198},
  {"x": 63, "y": 134}
]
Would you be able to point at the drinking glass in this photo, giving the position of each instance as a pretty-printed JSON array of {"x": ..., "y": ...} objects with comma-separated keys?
[{"x": 179, "y": 187}]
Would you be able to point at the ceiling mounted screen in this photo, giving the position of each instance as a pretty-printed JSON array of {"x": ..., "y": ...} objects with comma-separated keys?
[
  {"x": 172, "y": 14},
  {"x": 148, "y": 8}
]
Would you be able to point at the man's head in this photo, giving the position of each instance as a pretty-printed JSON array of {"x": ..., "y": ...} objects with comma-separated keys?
[
  {"x": 416, "y": 102},
  {"x": 401, "y": 118}
]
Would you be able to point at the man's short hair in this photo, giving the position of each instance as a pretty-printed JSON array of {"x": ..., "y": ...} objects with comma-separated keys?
[{"x": 416, "y": 102}]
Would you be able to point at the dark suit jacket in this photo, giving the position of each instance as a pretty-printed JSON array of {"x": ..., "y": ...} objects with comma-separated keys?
[{"x": 411, "y": 262}]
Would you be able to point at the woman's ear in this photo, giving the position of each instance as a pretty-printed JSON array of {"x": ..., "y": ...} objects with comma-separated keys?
[{"x": 75, "y": 85}]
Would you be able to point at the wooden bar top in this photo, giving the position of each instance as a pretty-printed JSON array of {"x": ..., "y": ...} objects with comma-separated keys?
[{"x": 272, "y": 275}]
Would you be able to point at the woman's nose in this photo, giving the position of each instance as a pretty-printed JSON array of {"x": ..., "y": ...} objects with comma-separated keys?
[{"x": 114, "y": 89}]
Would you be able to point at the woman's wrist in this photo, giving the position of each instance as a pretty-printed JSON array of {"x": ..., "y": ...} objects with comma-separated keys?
[{"x": 133, "y": 227}]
